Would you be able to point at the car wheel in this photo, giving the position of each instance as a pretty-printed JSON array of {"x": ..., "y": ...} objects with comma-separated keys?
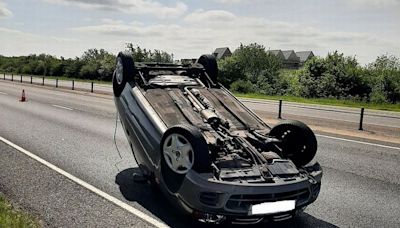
[
  {"x": 183, "y": 148},
  {"x": 123, "y": 72},
  {"x": 298, "y": 141},
  {"x": 210, "y": 65}
]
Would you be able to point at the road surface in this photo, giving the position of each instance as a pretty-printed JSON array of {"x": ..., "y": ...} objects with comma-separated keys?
[
  {"x": 351, "y": 115},
  {"x": 74, "y": 131}
]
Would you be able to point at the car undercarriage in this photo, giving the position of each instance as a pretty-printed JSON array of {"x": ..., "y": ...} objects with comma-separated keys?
[{"x": 209, "y": 153}]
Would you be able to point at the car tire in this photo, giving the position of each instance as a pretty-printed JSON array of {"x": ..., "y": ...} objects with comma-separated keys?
[
  {"x": 123, "y": 73},
  {"x": 187, "y": 135},
  {"x": 298, "y": 141},
  {"x": 210, "y": 65}
]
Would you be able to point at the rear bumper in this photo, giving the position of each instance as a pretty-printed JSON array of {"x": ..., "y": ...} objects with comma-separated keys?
[{"x": 197, "y": 194}]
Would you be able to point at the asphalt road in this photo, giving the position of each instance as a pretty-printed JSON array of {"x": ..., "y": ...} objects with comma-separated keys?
[
  {"x": 373, "y": 117},
  {"x": 350, "y": 115},
  {"x": 74, "y": 131}
]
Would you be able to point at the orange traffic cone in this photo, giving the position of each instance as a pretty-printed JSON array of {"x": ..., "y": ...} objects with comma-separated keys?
[{"x": 23, "y": 98}]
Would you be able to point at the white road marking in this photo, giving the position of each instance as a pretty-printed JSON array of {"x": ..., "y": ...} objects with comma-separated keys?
[
  {"x": 361, "y": 142},
  {"x": 88, "y": 186},
  {"x": 63, "y": 107},
  {"x": 3, "y": 93}
]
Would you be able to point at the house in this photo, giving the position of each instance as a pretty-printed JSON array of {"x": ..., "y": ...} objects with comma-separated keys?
[
  {"x": 304, "y": 56},
  {"x": 277, "y": 53},
  {"x": 291, "y": 61},
  {"x": 289, "y": 58},
  {"x": 221, "y": 53}
]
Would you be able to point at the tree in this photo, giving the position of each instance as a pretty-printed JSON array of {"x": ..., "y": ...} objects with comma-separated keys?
[
  {"x": 250, "y": 63},
  {"x": 98, "y": 64},
  {"x": 230, "y": 70},
  {"x": 253, "y": 60},
  {"x": 334, "y": 76},
  {"x": 144, "y": 55},
  {"x": 385, "y": 78}
]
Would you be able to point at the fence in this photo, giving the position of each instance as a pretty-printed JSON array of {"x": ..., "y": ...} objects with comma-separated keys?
[
  {"x": 66, "y": 84},
  {"x": 339, "y": 114},
  {"x": 360, "y": 126}
]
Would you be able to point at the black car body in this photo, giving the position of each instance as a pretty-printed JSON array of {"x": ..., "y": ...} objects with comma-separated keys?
[{"x": 212, "y": 156}]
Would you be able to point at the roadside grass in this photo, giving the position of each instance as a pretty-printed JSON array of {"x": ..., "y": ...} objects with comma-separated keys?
[
  {"x": 325, "y": 101},
  {"x": 319, "y": 101},
  {"x": 11, "y": 217}
]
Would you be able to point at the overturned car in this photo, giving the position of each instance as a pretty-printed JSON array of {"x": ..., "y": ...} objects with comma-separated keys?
[{"x": 210, "y": 155}]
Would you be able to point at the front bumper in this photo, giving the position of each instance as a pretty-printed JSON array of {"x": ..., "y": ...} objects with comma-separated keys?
[{"x": 199, "y": 194}]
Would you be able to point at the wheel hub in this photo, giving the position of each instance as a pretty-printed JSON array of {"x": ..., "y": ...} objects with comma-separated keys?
[{"x": 178, "y": 153}]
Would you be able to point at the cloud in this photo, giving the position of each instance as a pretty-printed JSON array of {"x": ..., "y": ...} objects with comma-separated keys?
[
  {"x": 4, "y": 12},
  {"x": 17, "y": 42},
  {"x": 373, "y": 3},
  {"x": 230, "y": 1},
  {"x": 139, "y": 7},
  {"x": 211, "y": 16},
  {"x": 202, "y": 31}
]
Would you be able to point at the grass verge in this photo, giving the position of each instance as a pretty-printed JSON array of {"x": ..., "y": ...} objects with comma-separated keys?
[
  {"x": 320, "y": 101},
  {"x": 11, "y": 217},
  {"x": 325, "y": 101}
]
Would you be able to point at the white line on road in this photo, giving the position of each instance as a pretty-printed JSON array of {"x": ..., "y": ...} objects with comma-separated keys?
[
  {"x": 361, "y": 142},
  {"x": 3, "y": 93},
  {"x": 63, "y": 107},
  {"x": 88, "y": 186}
]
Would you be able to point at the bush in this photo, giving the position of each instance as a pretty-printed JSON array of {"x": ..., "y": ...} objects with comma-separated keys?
[
  {"x": 378, "y": 97},
  {"x": 335, "y": 76},
  {"x": 253, "y": 64},
  {"x": 242, "y": 86},
  {"x": 230, "y": 70}
]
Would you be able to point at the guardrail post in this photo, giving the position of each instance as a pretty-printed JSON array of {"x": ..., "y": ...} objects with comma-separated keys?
[
  {"x": 56, "y": 82},
  {"x": 91, "y": 90},
  {"x": 12, "y": 77},
  {"x": 42, "y": 81},
  {"x": 31, "y": 79},
  {"x": 73, "y": 84},
  {"x": 4, "y": 76},
  {"x": 20, "y": 79},
  {"x": 280, "y": 110},
  {"x": 361, "y": 120}
]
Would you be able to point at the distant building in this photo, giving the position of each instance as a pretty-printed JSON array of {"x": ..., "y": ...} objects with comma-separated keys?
[
  {"x": 221, "y": 53},
  {"x": 304, "y": 56},
  {"x": 277, "y": 53},
  {"x": 291, "y": 59}
]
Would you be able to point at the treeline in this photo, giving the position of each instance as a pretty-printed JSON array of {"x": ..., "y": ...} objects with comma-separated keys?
[
  {"x": 251, "y": 69},
  {"x": 94, "y": 64}
]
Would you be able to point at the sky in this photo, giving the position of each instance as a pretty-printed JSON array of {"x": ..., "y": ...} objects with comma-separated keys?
[{"x": 361, "y": 28}]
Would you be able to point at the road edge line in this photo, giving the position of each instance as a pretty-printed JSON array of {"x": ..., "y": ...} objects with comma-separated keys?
[
  {"x": 88, "y": 186},
  {"x": 62, "y": 107},
  {"x": 361, "y": 142}
]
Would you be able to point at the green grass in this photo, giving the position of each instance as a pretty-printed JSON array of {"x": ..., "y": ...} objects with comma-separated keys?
[
  {"x": 325, "y": 101},
  {"x": 320, "y": 101},
  {"x": 11, "y": 217}
]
